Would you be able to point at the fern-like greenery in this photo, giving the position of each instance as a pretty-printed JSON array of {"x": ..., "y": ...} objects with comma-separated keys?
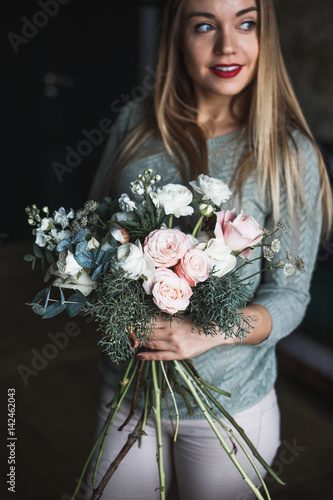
[
  {"x": 216, "y": 306},
  {"x": 123, "y": 306}
]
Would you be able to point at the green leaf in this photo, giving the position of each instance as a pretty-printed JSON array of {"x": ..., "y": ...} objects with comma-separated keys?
[
  {"x": 42, "y": 295},
  {"x": 75, "y": 303},
  {"x": 49, "y": 257},
  {"x": 62, "y": 297},
  {"x": 37, "y": 308},
  {"x": 29, "y": 258},
  {"x": 38, "y": 251},
  {"x": 83, "y": 256},
  {"x": 54, "y": 309}
]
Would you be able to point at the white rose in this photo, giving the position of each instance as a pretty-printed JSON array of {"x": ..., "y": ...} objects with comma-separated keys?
[
  {"x": 131, "y": 259},
  {"x": 126, "y": 204},
  {"x": 71, "y": 274},
  {"x": 175, "y": 200},
  {"x": 83, "y": 283},
  {"x": 67, "y": 265},
  {"x": 220, "y": 256},
  {"x": 211, "y": 189}
]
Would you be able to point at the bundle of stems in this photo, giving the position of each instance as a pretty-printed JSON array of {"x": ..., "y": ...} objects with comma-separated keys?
[{"x": 154, "y": 377}]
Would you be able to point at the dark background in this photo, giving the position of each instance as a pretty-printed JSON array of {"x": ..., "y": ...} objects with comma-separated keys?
[{"x": 65, "y": 79}]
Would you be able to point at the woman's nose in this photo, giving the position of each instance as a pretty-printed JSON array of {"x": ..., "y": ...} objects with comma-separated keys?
[{"x": 225, "y": 43}]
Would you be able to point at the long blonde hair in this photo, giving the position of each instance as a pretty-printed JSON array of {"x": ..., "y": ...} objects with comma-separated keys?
[{"x": 272, "y": 111}]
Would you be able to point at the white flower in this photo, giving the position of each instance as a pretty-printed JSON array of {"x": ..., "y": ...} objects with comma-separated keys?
[
  {"x": 58, "y": 236},
  {"x": 67, "y": 265},
  {"x": 268, "y": 253},
  {"x": 40, "y": 237},
  {"x": 46, "y": 224},
  {"x": 220, "y": 256},
  {"x": 289, "y": 269},
  {"x": 211, "y": 189},
  {"x": 122, "y": 216},
  {"x": 71, "y": 275},
  {"x": 175, "y": 200},
  {"x": 120, "y": 234},
  {"x": 155, "y": 199},
  {"x": 276, "y": 246},
  {"x": 137, "y": 187},
  {"x": 131, "y": 259},
  {"x": 93, "y": 244},
  {"x": 126, "y": 204},
  {"x": 83, "y": 283},
  {"x": 206, "y": 209},
  {"x": 61, "y": 217}
]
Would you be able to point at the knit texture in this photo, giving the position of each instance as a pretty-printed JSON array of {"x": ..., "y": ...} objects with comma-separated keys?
[{"x": 248, "y": 372}]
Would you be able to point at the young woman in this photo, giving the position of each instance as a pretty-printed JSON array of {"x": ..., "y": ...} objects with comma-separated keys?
[{"x": 222, "y": 105}]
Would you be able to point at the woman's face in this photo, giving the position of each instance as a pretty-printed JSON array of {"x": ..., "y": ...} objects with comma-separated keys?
[{"x": 220, "y": 45}]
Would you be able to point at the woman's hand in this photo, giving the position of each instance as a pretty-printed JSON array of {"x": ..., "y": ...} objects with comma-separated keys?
[
  {"x": 178, "y": 340},
  {"x": 181, "y": 340}
]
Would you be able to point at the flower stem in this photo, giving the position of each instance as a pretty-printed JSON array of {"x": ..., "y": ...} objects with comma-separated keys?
[
  {"x": 124, "y": 386},
  {"x": 170, "y": 221},
  {"x": 244, "y": 436},
  {"x": 187, "y": 379},
  {"x": 173, "y": 399},
  {"x": 197, "y": 228},
  {"x": 157, "y": 410}
]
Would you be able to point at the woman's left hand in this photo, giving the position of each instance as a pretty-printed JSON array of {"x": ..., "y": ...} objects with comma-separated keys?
[{"x": 178, "y": 340}]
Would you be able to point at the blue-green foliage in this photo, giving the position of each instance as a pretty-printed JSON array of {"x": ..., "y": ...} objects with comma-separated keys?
[
  {"x": 216, "y": 304},
  {"x": 123, "y": 306},
  {"x": 46, "y": 308}
]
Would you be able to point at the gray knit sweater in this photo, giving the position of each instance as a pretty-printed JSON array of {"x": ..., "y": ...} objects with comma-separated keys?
[{"x": 248, "y": 372}]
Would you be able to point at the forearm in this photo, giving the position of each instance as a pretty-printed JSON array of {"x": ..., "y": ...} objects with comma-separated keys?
[{"x": 262, "y": 324}]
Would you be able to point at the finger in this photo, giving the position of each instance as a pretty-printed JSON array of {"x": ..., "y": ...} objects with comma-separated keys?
[
  {"x": 159, "y": 345},
  {"x": 158, "y": 356}
]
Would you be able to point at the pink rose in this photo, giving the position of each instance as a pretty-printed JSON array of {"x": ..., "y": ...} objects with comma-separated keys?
[
  {"x": 194, "y": 266},
  {"x": 238, "y": 231},
  {"x": 166, "y": 246},
  {"x": 170, "y": 293}
]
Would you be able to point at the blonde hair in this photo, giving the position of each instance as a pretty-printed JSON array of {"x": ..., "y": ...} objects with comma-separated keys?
[{"x": 272, "y": 111}]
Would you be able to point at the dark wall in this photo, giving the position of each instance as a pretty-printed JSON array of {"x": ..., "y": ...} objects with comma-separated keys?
[
  {"x": 58, "y": 80},
  {"x": 93, "y": 48}
]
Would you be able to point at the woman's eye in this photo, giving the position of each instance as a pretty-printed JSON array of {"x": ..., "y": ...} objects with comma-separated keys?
[
  {"x": 203, "y": 28},
  {"x": 248, "y": 25}
]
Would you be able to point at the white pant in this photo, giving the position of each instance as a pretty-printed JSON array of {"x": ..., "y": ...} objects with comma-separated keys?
[{"x": 196, "y": 462}]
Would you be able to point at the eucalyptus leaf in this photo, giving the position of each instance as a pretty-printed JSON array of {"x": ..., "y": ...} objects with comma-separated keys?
[
  {"x": 83, "y": 256},
  {"x": 79, "y": 237},
  {"x": 75, "y": 303},
  {"x": 37, "y": 308},
  {"x": 38, "y": 251},
  {"x": 63, "y": 245},
  {"x": 42, "y": 295},
  {"x": 54, "y": 309},
  {"x": 62, "y": 297},
  {"x": 97, "y": 272},
  {"x": 49, "y": 257},
  {"x": 29, "y": 257}
]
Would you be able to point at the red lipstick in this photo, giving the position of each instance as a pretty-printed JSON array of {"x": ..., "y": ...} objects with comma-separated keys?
[{"x": 226, "y": 70}]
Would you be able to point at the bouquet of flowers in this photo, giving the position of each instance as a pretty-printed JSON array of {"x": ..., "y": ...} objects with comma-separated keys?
[{"x": 126, "y": 263}]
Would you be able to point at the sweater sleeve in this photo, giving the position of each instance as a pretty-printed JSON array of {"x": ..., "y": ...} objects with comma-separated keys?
[
  {"x": 128, "y": 118},
  {"x": 286, "y": 297}
]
